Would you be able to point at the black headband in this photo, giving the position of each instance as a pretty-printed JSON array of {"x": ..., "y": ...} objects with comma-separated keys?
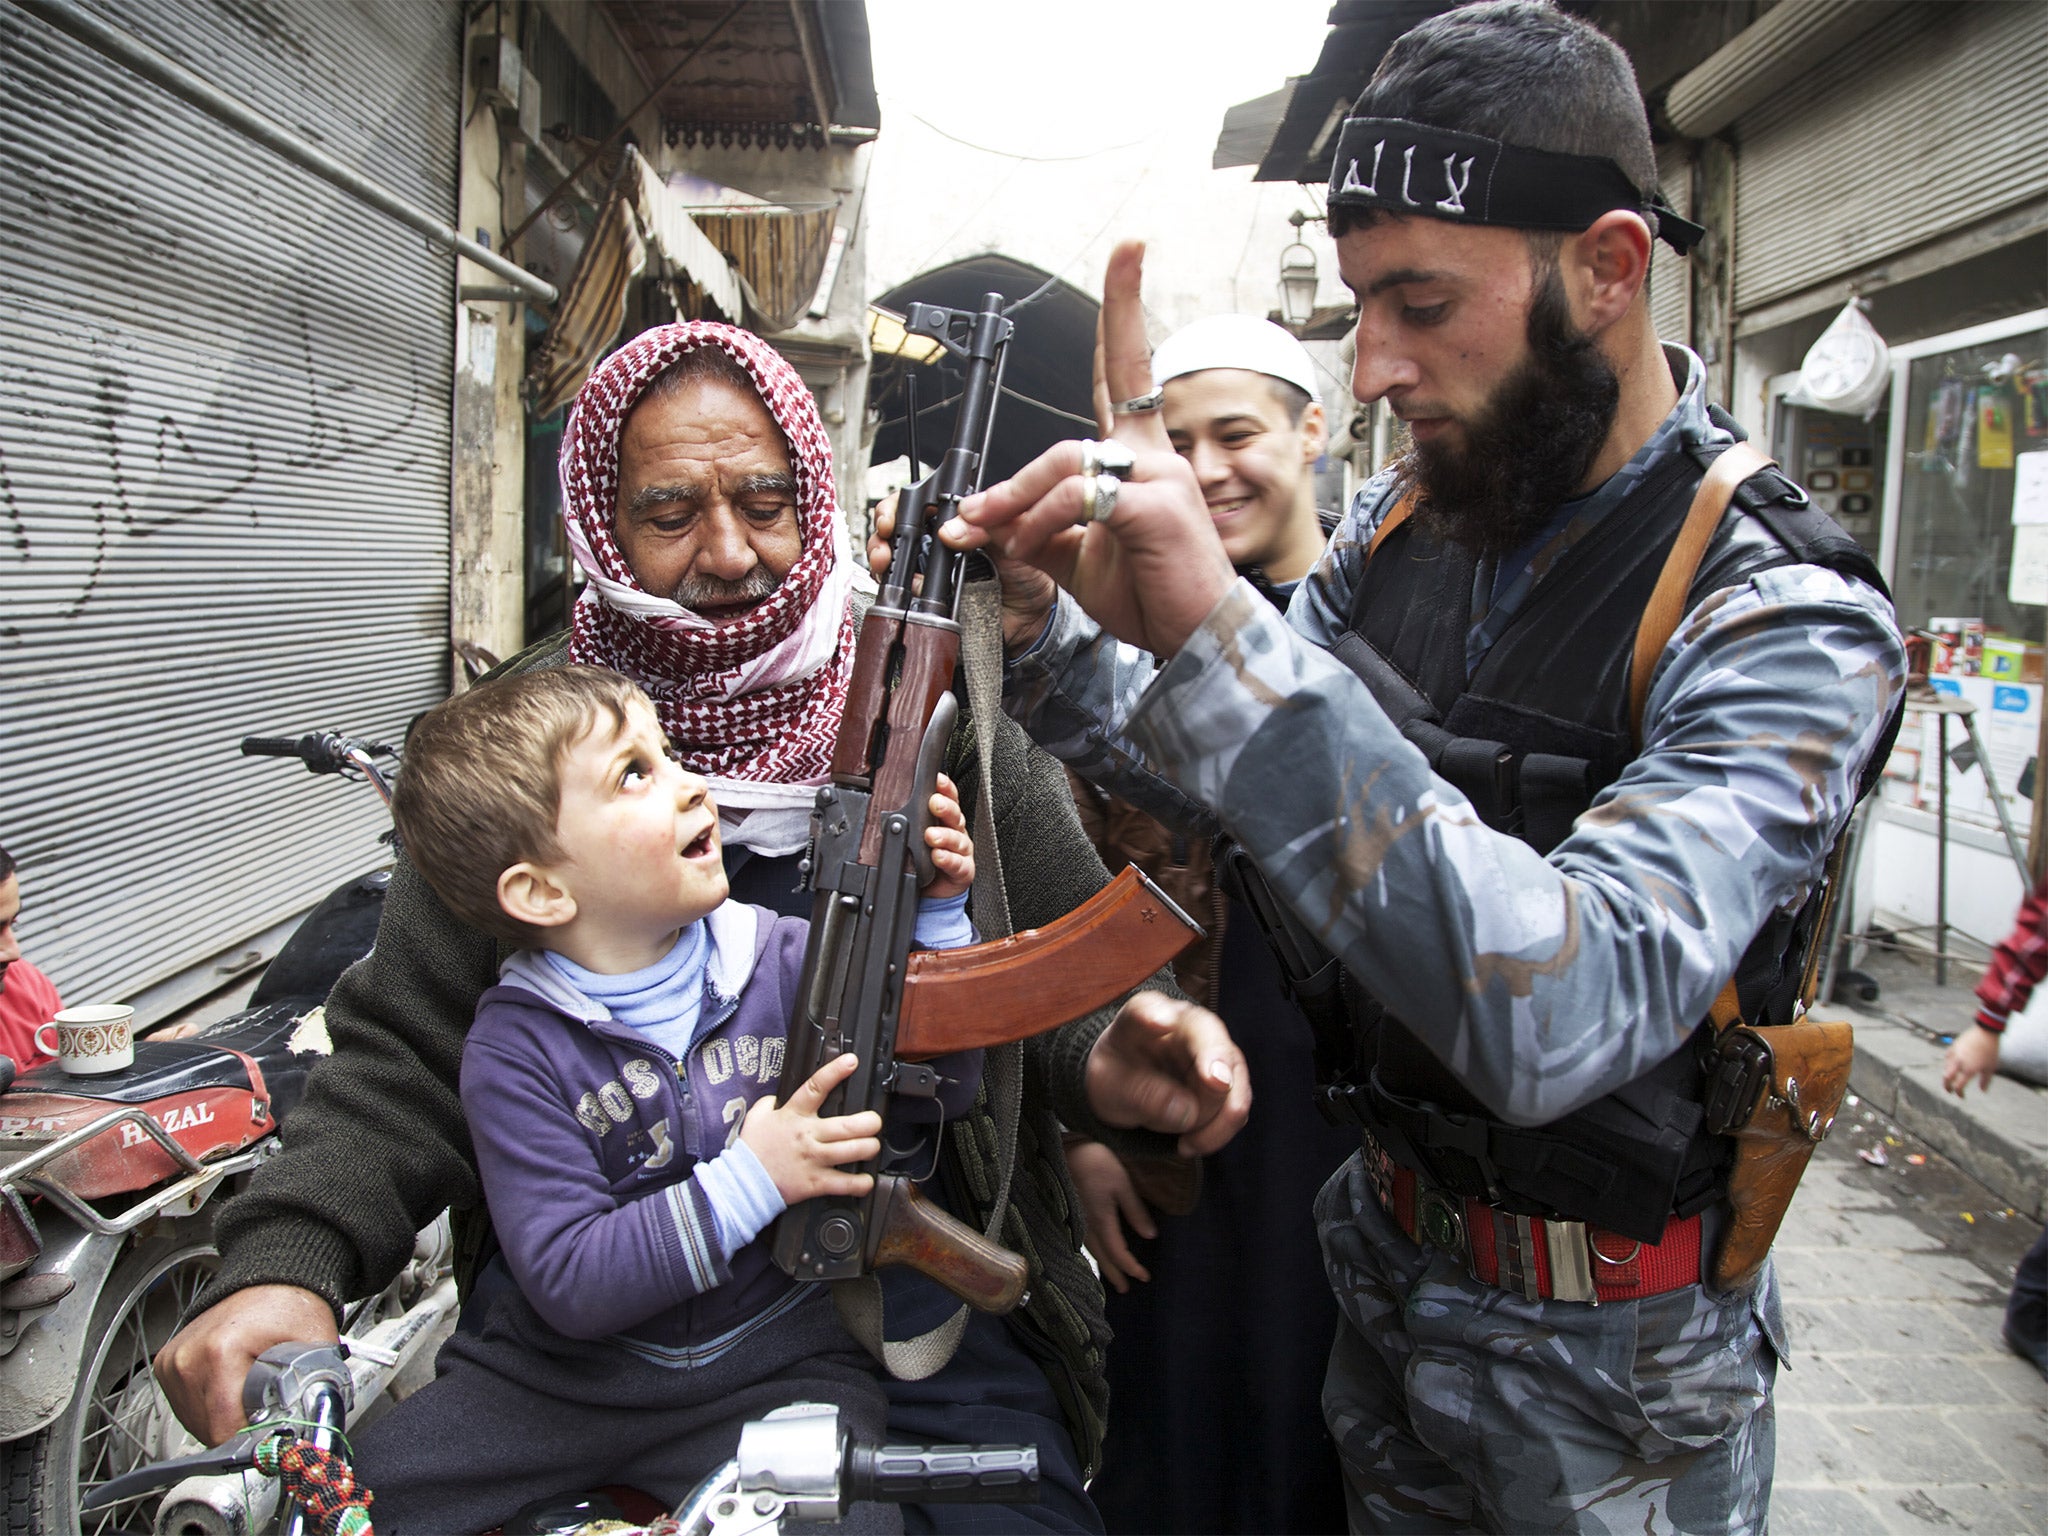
[{"x": 1404, "y": 167}]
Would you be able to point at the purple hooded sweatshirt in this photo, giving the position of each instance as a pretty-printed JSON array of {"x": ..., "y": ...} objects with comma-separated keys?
[{"x": 587, "y": 1134}]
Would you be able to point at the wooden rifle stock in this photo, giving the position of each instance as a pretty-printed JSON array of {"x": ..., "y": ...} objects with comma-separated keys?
[
  {"x": 906, "y": 1228},
  {"x": 1009, "y": 989}
]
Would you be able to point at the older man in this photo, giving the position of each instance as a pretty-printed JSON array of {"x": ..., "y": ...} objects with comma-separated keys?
[{"x": 698, "y": 495}]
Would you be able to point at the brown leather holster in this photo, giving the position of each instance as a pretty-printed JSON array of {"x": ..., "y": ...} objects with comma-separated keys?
[{"x": 1802, "y": 1077}]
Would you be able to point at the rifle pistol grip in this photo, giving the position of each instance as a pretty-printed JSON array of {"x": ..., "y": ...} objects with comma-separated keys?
[{"x": 906, "y": 1228}]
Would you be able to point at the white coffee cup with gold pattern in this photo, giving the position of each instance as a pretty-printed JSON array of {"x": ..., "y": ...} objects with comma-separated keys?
[{"x": 92, "y": 1039}]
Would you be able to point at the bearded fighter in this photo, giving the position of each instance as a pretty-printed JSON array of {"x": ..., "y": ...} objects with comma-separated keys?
[{"x": 1544, "y": 855}]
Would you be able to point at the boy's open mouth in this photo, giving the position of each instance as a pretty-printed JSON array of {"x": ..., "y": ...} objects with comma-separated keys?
[{"x": 699, "y": 846}]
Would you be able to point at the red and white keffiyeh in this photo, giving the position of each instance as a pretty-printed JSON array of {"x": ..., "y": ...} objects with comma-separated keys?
[{"x": 755, "y": 704}]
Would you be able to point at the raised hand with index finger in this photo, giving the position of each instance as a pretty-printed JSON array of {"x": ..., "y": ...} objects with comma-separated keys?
[{"x": 1150, "y": 570}]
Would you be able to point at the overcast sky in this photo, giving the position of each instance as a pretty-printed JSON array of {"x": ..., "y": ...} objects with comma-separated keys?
[{"x": 1118, "y": 103}]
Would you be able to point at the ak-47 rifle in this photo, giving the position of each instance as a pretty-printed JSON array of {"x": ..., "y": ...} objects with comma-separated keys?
[{"x": 863, "y": 989}]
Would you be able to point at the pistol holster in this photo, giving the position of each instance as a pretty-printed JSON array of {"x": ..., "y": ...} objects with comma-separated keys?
[{"x": 1774, "y": 1089}]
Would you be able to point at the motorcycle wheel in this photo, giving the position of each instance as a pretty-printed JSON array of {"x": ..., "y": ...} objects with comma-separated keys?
[{"x": 118, "y": 1419}]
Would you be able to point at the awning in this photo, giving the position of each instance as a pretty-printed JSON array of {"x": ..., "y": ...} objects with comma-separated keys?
[
  {"x": 641, "y": 221},
  {"x": 681, "y": 241},
  {"x": 1248, "y": 129},
  {"x": 778, "y": 253},
  {"x": 1291, "y": 134}
]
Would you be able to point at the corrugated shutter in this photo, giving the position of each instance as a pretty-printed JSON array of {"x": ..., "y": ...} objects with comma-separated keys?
[
  {"x": 224, "y": 416},
  {"x": 1671, "y": 273},
  {"x": 1932, "y": 120}
]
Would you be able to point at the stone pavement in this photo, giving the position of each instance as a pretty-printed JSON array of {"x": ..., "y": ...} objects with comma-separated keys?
[
  {"x": 2000, "y": 1137},
  {"x": 1903, "y": 1411}
]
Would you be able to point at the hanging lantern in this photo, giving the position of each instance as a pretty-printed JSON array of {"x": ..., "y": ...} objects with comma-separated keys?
[{"x": 1298, "y": 276}]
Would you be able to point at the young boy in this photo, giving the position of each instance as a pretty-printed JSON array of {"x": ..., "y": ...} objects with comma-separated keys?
[{"x": 619, "y": 1084}]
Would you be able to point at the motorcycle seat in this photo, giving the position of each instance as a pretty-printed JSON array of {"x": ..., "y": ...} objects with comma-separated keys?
[
  {"x": 161, "y": 1068},
  {"x": 266, "y": 1034},
  {"x": 208, "y": 1060}
]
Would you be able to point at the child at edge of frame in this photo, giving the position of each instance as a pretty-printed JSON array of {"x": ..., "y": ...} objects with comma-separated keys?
[
  {"x": 2018, "y": 965},
  {"x": 619, "y": 1083}
]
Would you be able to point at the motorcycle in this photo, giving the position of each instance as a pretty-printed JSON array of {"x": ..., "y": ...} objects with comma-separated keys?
[
  {"x": 794, "y": 1466},
  {"x": 108, "y": 1189}
]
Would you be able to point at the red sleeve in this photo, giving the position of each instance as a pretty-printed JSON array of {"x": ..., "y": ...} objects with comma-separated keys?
[
  {"x": 27, "y": 1001},
  {"x": 2017, "y": 964}
]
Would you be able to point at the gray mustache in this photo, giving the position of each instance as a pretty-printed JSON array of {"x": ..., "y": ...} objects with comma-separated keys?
[{"x": 710, "y": 591}]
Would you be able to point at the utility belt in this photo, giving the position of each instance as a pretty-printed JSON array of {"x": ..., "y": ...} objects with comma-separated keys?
[
  {"x": 1626, "y": 1163},
  {"x": 1542, "y": 1258},
  {"x": 1641, "y": 1163}
]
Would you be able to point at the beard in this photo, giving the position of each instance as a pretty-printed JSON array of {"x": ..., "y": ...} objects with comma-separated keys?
[
  {"x": 700, "y": 592},
  {"x": 1529, "y": 448}
]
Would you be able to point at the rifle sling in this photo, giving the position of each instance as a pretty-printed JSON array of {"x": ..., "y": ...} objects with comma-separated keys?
[
  {"x": 859, "y": 1302},
  {"x": 1667, "y": 602}
]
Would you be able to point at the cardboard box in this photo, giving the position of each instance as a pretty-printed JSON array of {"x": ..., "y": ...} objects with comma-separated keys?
[
  {"x": 2012, "y": 661},
  {"x": 2003, "y": 660}
]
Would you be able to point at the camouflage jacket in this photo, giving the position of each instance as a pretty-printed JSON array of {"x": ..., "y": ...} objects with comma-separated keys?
[{"x": 1542, "y": 982}]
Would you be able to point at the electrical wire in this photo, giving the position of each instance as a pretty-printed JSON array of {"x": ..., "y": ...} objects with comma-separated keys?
[
  {"x": 1009, "y": 154},
  {"x": 1051, "y": 410}
]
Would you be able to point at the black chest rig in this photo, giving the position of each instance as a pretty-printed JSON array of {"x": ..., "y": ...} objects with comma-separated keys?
[{"x": 1540, "y": 727}]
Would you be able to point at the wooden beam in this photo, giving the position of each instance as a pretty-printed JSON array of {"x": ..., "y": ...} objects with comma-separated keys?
[{"x": 813, "y": 46}]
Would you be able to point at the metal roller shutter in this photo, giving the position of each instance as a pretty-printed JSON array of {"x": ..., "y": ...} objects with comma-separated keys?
[
  {"x": 1932, "y": 120},
  {"x": 224, "y": 466},
  {"x": 1671, "y": 273}
]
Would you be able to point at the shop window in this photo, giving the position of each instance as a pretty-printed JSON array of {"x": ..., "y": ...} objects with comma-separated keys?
[
  {"x": 1840, "y": 461},
  {"x": 1969, "y": 411}
]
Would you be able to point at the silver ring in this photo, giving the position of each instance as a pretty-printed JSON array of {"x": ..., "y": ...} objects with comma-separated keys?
[
  {"x": 1139, "y": 405},
  {"x": 1110, "y": 458},
  {"x": 1098, "y": 498}
]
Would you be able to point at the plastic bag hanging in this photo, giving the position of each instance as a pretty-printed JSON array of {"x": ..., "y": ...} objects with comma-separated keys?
[{"x": 1848, "y": 369}]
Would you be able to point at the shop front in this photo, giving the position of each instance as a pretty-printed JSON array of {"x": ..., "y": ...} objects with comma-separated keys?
[
  {"x": 1947, "y": 483},
  {"x": 1859, "y": 180}
]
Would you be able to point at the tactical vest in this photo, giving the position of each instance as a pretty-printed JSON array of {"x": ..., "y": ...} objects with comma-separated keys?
[{"x": 1540, "y": 727}]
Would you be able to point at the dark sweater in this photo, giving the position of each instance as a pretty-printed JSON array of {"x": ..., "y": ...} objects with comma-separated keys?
[{"x": 379, "y": 1146}]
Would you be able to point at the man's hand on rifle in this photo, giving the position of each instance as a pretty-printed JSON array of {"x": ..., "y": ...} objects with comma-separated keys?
[
  {"x": 1028, "y": 595},
  {"x": 1170, "y": 1066},
  {"x": 803, "y": 1150},
  {"x": 1156, "y": 569}
]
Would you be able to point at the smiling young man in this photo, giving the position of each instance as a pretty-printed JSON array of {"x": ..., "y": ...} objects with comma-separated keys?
[
  {"x": 1542, "y": 857},
  {"x": 1238, "y": 403},
  {"x": 1238, "y": 399}
]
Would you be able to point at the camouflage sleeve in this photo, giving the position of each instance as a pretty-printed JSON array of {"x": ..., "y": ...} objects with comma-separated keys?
[
  {"x": 1074, "y": 688},
  {"x": 1071, "y": 690},
  {"x": 1543, "y": 983}
]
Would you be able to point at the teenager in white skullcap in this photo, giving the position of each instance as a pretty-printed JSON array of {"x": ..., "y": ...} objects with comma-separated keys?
[{"x": 1221, "y": 1310}]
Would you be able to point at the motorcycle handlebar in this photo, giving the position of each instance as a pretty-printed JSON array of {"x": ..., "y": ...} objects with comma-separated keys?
[
  {"x": 942, "y": 1474},
  {"x": 274, "y": 746},
  {"x": 320, "y": 751}
]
